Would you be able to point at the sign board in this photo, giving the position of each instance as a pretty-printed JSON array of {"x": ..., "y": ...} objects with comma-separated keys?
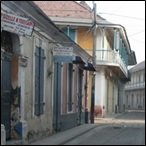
[
  {"x": 62, "y": 54},
  {"x": 16, "y": 24}
]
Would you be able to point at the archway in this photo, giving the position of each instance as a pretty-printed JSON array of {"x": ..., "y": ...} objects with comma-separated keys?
[{"x": 10, "y": 92}]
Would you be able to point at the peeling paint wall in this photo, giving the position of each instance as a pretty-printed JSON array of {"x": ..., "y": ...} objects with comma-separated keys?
[{"x": 15, "y": 114}]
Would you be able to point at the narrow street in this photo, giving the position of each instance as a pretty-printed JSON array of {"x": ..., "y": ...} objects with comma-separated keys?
[{"x": 127, "y": 129}]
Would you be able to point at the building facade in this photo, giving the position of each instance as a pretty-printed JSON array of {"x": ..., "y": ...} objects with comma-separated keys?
[
  {"x": 31, "y": 78},
  {"x": 113, "y": 52},
  {"x": 135, "y": 89}
]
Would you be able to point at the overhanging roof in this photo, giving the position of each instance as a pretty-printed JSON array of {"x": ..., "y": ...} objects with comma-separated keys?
[
  {"x": 42, "y": 21},
  {"x": 132, "y": 58}
]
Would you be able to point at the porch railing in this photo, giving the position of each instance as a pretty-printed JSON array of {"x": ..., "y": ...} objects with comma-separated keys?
[
  {"x": 113, "y": 57},
  {"x": 140, "y": 85}
]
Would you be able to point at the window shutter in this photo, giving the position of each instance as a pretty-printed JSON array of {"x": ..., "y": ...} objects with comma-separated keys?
[
  {"x": 70, "y": 83},
  {"x": 37, "y": 81},
  {"x": 42, "y": 81},
  {"x": 71, "y": 32}
]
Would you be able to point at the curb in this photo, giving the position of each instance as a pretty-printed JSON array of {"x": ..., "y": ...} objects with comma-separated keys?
[
  {"x": 79, "y": 134},
  {"x": 68, "y": 135}
]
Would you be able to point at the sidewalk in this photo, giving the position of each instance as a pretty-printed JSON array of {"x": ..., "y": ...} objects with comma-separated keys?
[
  {"x": 65, "y": 136},
  {"x": 109, "y": 118}
]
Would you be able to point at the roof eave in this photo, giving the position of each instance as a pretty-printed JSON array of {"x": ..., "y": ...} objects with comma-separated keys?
[
  {"x": 71, "y": 21},
  {"x": 42, "y": 21},
  {"x": 122, "y": 31}
]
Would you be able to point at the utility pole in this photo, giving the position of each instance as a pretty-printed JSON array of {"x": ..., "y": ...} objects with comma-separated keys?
[{"x": 94, "y": 63}]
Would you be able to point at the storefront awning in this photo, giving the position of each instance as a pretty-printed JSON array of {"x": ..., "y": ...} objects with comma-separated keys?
[
  {"x": 83, "y": 65},
  {"x": 77, "y": 60}
]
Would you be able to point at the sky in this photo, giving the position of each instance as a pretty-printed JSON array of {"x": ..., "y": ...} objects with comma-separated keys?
[{"x": 131, "y": 15}]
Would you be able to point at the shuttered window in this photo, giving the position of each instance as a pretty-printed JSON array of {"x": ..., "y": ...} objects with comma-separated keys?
[
  {"x": 70, "y": 86},
  {"x": 39, "y": 81},
  {"x": 69, "y": 32}
]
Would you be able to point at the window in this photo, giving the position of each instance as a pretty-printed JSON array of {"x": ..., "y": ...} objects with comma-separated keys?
[
  {"x": 144, "y": 77},
  {"x": 127, "y": 99},
  {"x": 143, "y": 101},
  {"x": 70, "y": 86},
  {"x": 132, "y": 101},
  {"x": 132, "y": 79},
  {"x": 140, "y": 100},
  {"x": 70, "y": 32},
  {"x": 39, "y": 81},
  {"x": 139, "y": 78}
]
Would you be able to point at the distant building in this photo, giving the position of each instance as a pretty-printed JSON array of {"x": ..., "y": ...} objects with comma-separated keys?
[{"x": 135, "y": 89}]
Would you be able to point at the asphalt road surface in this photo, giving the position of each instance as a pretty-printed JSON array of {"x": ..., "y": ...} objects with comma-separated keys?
[{"x": 127, "y": 129}]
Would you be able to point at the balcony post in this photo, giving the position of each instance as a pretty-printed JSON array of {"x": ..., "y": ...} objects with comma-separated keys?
[
  {"x": 114, "y": 42},
  {"x": 122, "y": 50},
  {"x": 123, "y": 57},
  {"x": 120, "y": 46},
  {"x": 117, "y": 40},
  {"x": 103, "y": 38},
  {"x": 126, "y": 59},
  {"x": 68, "y": 30}
]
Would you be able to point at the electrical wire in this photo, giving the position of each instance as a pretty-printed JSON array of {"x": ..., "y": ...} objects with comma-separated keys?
[
  {"x": 137, "y": 40},
  {"x": 123, "y": 16},
  {"x": 120, "y": 7},
  {"x": 136, "y": 33}
]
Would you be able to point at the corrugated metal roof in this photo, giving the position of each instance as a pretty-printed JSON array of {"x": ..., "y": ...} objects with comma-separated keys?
[{"x": 138, "y": 67}]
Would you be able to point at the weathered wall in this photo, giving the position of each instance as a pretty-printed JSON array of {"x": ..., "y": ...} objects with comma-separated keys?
[
  {"x": 70, "y": 120},
  {"x": 138, "y": 100},
  {"x": 38, "y": 126}
]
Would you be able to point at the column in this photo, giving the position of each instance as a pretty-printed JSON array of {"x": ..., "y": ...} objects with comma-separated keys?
[
  {"x": 115, "y": 39},
  {"x": 103, "y": 38},
  {"x": 22, "y": 65},
  {"x": 100, "y": 93},
  {"x": 120, "y": 46}
]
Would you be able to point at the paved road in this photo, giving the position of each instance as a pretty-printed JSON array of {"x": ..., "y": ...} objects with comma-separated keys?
[{"x": 127, "y": 129}]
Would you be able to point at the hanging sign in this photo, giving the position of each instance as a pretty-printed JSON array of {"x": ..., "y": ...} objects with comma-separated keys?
[
  {"x": 16, "y": 24},
  {"x": 62, "y": 54}
]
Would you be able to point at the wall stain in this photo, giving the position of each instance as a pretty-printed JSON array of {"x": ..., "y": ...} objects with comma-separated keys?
[{"x": 35, "y": 135}]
